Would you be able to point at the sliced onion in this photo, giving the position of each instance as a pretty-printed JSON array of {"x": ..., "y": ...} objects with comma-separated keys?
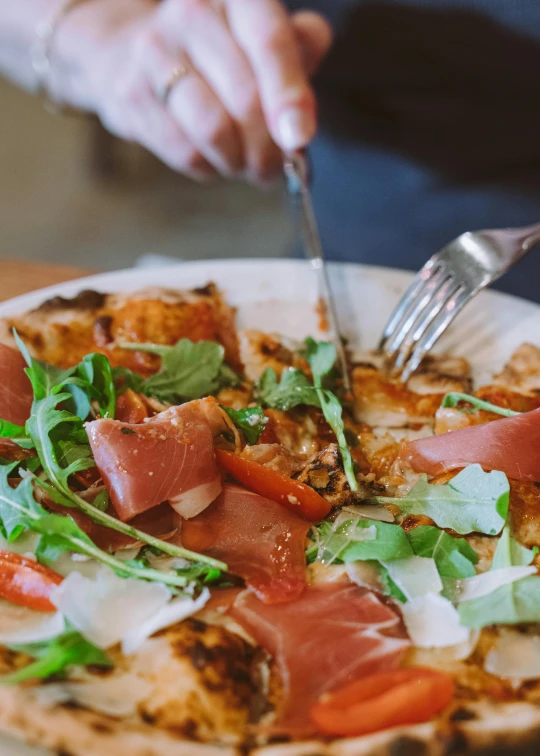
[
  {"x": 104, "y": 610},
  {"x": 433, "y": 622},
  {"x": 514, "y": 656},
  {"x": 20, "y": 625},
  {"x": 175, "y": 611},
  {"x": 114, "y": 695},
  {"x": 415, "y": 575}
]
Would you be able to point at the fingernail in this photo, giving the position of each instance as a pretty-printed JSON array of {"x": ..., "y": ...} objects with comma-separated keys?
[{"x": 295, "y": 127}]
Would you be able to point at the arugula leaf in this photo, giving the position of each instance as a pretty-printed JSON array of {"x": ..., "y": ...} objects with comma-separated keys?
[
  {"x": 96, "y": 371},
  {"x": 91, "y": 379},
  {"x": 16, "y": 433},
  {"x": 46, "y": 421},
  {"x": 453, "y": 556},
  {"x": 389, "y": 588},
  {"x": 343, "y": 544},
  {"x": 454, "y": 398},
  {"x": 472, "y": 501},
  {"x": 54, "y": 656},
  {"x": 251, "y": 421},
  {"x": 63, "y": 449},
  {"x": 293, "y": 389},
  {"x": 124, "y": 379},
  {"x": 390, "y": 543},
  {"x": 511, "y": 603},
  {"x": 510, "y": 553},
  {"x": 19, "y": 511},
  {"x": 189, "y": 370},
  {"x": 321, "y": 356}
]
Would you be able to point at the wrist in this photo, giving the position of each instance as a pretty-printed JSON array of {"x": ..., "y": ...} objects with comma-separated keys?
[{"x": 84, "y": 47}]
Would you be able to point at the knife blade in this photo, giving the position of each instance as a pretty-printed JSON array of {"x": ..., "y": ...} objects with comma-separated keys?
[{"x": 296, "y": 170}]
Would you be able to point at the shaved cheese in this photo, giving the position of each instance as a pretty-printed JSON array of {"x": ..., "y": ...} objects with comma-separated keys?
[
  {"x": 191, "y": 503},
  {"x": 104, "y": 610},
  {"x": 433, "y": 622},
  {"x": 365, "y": 574},
  {"x": 487, "y": 582},
  {"x": 514, "y": 656},
  {"x": 177, "y": 610},
  {"x": 415, "y": 576},
  {"x": 441, "y": 657},
  {"x": 19, "y": 625},
  {"x": 114, "y": 695}
]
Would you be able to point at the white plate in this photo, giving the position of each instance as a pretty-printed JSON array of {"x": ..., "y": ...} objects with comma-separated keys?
[{"x": 280, "y": 296}]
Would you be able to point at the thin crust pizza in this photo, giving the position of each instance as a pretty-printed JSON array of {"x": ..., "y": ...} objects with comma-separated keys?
[{"x": 208, "y": 547}]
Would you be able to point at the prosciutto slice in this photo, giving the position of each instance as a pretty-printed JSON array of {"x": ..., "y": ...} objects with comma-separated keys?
[
  {"x": 15, "y": 389},
  {"x": 331, "y": 636},
  {"x": 161, "y": 522},
  {"x": 168, "y": 458},
  {"x": 259, "y": 539},
  {"x": 511, "y": 445}
]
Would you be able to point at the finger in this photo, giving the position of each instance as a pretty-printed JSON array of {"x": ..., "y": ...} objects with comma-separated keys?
[
  {"x": 207, "y": 40},
  {"x": 135, "y": 114},
  {"x": 159, "y": 133},
  {"x": 315, "y": 36},
  {"x": 195, "y": 108},
  {"x": 199, "y": 113},
  {"x": 264, "y": 32}
]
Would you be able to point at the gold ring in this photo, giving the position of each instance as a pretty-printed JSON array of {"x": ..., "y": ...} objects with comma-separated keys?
[{"x": 177, "y": 74}]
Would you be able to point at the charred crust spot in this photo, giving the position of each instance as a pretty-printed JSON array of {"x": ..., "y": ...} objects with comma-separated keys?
[
  {"x": 406, "y": 746},
  {"x": 84, "y": 300},
  {"x": 104, "y": 728},
  {"x": 454, "y": 744},
  {"x": 200, "y": 655},
  {"x": 462, "y": 715},
  {"x": 190, "y": 729},
  {"x": 205, "y": 291},
  {"x": 197, "y": 625},
  {"x": 148, "y": 718},
  {"x": 102, "y": 330},
  {"x": 64, "y": 752}
]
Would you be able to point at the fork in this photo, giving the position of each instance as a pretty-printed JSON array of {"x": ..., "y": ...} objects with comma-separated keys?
[{"x": 442, "y": 288}]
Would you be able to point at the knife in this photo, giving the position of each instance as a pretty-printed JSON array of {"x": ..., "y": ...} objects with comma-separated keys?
[{"x": 296, "y": 170}]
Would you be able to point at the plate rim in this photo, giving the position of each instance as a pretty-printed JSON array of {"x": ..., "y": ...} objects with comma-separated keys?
[{"x": 29, "y": 300}]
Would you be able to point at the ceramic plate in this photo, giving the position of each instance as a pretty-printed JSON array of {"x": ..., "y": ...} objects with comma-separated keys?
[{"x": 281, "y": 295}]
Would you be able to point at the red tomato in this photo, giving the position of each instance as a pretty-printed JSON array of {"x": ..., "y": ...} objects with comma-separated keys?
[
  {"x": 27, "y": 583},
  {"x": 387, "y": 699},
  {"x": 296, "y": 496},
  {"x": 130, "y": 408}
]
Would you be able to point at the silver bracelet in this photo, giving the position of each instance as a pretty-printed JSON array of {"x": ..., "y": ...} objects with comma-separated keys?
[{"x": 41, "y": 51}]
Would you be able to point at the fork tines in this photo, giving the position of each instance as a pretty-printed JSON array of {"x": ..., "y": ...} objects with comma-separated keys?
[{"x": 428, "y": 306}]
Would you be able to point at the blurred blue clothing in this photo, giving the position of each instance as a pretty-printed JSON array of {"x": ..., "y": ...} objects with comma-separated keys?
[{"x": 430, "y": 126}]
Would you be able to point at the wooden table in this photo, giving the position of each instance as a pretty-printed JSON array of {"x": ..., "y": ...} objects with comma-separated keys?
[{"x": 20, "y": 277}]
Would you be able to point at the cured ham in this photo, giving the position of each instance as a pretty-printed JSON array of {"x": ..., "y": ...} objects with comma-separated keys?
[
  {"x": 15, "y": 389},
  {"x": 258, "y": 538},
  {"x": 162, "y": 522},
  {"x": 168, "y": 458},
  {"x": 332, "y": 635},
  {"x": 511, "y": 445}
]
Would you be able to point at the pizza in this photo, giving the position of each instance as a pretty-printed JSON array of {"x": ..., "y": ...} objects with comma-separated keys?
[{"x": 207, "y": 546}]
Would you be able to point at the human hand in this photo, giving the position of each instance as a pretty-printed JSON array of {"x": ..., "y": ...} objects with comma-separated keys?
[{"x": 245, "y": 93}]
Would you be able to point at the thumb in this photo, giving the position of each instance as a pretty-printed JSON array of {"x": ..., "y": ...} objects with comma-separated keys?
[{"x": 314, "y": 35}]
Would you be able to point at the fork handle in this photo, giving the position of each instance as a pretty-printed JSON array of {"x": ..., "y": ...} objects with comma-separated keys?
[{"x": 524, "y": 238}]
